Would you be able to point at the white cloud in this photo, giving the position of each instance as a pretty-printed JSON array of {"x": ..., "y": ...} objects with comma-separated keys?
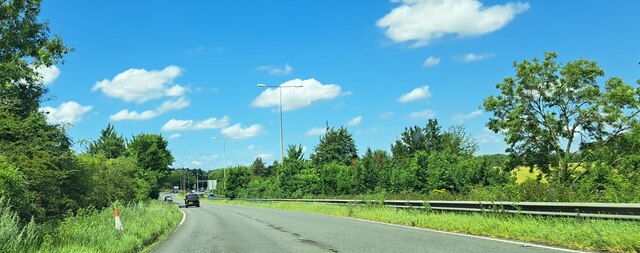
[
  {"x": 475, "y": 57},
  {"x": 426, "y": 114},
  {"x": 423, "y": 21},
  {"x": 276, "y": 70},
  {"x": 140, "y": 85},
  {"x": 172, "y": 105},
  {"x": 251, "y": 147},
  {"x": 317, "y": 131},
  {"x": 265, "y": 157},
  {"x": 237, "y": 132},
  {"x": 210, "y": 123},
  {"x": 175, "y": 91},
  {"x": 175, "y": 124},
  {"x": 69, "y": 112},
  {"x": 297, "y": 97},
  {"x": 355, "y": 121},
  {"x": 174, "y": 136},
  {"x": 431, "y": 61},
  {"x": 167, "y": 106},
  {"x": 415, "y": 94},
  {"x": 133, "y": 115},
  {"x": 48, "y": 74},
  {"x": 387, "y": 115},
  {"x": 462, "y": 117}
]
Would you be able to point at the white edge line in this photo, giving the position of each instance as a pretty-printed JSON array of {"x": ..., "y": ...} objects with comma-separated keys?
[
  {"x": 524, "y": 244},
  {"x": 184, "y": 217}
]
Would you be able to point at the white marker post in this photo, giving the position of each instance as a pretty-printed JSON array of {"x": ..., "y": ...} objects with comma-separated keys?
[{"x": 119, "y": 225}]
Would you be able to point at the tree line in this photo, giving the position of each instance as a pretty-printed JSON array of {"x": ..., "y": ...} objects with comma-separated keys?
[
  {"x": 41, "y": 177},
  {"x": 557, "y": 118}
]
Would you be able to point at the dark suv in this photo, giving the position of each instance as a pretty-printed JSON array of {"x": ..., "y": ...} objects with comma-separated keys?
[{"x": 192, "y": 200}]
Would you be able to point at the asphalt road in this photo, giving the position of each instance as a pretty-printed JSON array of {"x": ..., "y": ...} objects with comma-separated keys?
[{"x": 225, "y": 228}]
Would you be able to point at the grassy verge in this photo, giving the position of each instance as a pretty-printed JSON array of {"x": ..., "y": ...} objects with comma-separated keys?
[
  {"x": 583, "y": 234},
  {"x": 144, "y": 224}
]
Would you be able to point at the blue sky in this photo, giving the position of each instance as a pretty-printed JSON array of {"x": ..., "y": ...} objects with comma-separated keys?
[{"x": 190, "y": 70}]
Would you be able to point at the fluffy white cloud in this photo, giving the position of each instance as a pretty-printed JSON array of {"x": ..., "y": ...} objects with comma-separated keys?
[
  {"x": 48, "y": 74},
  {"x": 133, "y": 115},
  {"x": 431, "y": 61},
  {"x": 167, "y": 106},
  {"x": 355, "y": 121},
  {"x": 69, "y": 112},
  {"x": 475, "y": 57},
  {"x": 210, "y": 123},
  {"x": 251, "y": 147},
  {"x": 140, "y": 85},
  {"x": 173, "y": 105},
  {"x": 237, "y": 132},
  {"x": 422, "y": 21},
  {"x": 297, "y": 97},
  {"x": 276, "y": 70},
  {"x": 415, "y": 94},
  {"x": 462, "y": 117},
  {"x": 317, "y": 131},
  {"x": 174, "y": 136},
  {"x": 426, "y": 114}
]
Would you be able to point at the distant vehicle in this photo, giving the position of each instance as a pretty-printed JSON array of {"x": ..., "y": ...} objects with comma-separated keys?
[
  {"x": 168, "y": 199},
  {"x": 176, "y": 188},
  {"x": 201, "y": 189},
  {"x": 211, "y": 196},
  {"x": 192, "y": 200}
]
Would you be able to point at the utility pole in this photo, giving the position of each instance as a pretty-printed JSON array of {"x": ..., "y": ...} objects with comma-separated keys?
[
  {"x": 224, "y": 146},
  {"x": 281, "y": 131}
]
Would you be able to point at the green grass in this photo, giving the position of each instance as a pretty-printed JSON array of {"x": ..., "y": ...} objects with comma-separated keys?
[
  {"x": 144, "y": 224},
  {"x": 16, "y": 237},
  {"x": 582, "y": 234}
]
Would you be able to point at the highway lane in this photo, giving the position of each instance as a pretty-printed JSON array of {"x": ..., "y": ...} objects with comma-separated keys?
[{"x": 226, "y": 228}]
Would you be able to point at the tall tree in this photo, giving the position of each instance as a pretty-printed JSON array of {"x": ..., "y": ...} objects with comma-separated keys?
[
  {"x": 152, "y": 159},
  {"x": 416, "y": 139},
  {"x": 25, "y": 45},
  {"x": 258, "y": 168},
  {"x": 110, "y": 144},
  {"x": 337, "y": 146},
  {"x": 150, "y": 150},
  {"x": 369, "y": 170},
  {"x": 548, "y": 106}
]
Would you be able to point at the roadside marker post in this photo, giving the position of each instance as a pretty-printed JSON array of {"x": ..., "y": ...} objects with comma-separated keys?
[{"x": 119, "y": 225}]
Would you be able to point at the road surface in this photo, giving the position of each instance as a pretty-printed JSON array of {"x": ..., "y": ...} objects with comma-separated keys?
[{"x": 226, "y": 228}]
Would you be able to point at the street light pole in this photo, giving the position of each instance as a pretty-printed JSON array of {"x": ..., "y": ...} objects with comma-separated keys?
[
  {"x": 224, "y": 146},
  {"x": 281, "y": 131}
]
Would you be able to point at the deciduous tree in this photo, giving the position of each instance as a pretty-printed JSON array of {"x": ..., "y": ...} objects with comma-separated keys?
[{"x": 547, "y": 107}]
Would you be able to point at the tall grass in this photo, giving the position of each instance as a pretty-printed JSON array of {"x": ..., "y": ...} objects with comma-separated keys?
[
  {"x": 94, "y": 231},
  {"x": 583, "y": 234},
  {"x": 90, "y": 230},
  {"x": 14, "y": 236}
]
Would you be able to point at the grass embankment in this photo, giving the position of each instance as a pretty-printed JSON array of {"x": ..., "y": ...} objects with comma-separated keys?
[
  {"x": 94, "y": 231},
  {"x": 583, "y": 234}
]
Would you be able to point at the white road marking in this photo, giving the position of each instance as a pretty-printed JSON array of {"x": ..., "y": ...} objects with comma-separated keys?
[{"x": 523, "y": 244}]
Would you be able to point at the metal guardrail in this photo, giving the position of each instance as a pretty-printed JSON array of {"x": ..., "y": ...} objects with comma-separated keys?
[{"x": 558, "y": 209}]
